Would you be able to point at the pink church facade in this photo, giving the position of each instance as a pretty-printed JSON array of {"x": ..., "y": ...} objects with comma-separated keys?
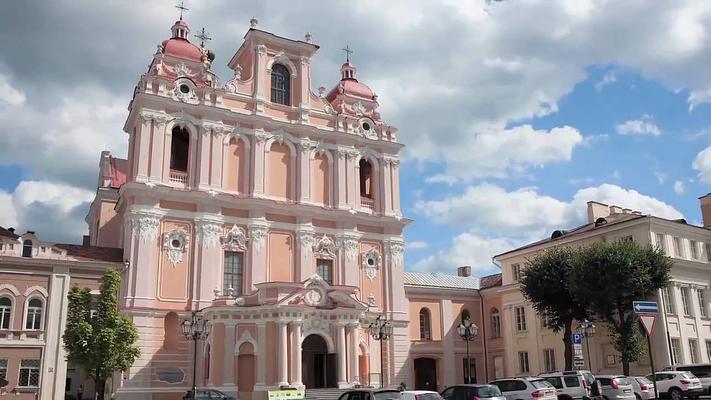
[{"x": 275, "y": 212}]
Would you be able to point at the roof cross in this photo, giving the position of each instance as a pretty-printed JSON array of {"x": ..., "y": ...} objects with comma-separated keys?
[
  {"x": 348, "y": 51},
  {"x": 203, "y": 36},
  {"x": 181, "y": 7}
]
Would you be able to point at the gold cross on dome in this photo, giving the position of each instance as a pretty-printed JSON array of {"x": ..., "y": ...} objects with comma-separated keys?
[
  {"x": 348, "y": 51},
  {"x": 181, "y": 7},
  {"x": 203, "y": 36}
]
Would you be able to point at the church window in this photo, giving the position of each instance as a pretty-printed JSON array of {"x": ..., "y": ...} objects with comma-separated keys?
[
  {"x": 179, "y": 149},
  {"x": 425, "y": 325},
  {"x": 324, "y": 269},
  {"x": 280, "y": 85},
  {"x": 366, "y": 178},
  {"x": 27, "y": 248},
  {"x": 34, "y": 314},
  {"x": 233, "y": 273},
  {"x": 184, "y": 88}
]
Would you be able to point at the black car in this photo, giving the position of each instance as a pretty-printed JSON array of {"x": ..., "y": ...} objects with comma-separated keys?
[
  {"x": 207, "y": 394},
  {"x": 469, "y": 392},
  {"x": 371, "y": 394}
]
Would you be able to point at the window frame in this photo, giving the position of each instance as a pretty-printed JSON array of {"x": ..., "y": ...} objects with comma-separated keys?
[
  {"x": 675, "y": 350},
  {"x": 516, "y": 272},
  {"x": 30, "y": 370},
  {"x": 686, "y": 301},
  {"x": 27, "y": 244},
  {"x": 238, "y": 291},
  {"x": 520, "y": 319},
  {"x": 325, "y": 262},
  {"x": 172, "y": 161},
  {"x": 659, "y": 238},
  {"x": 280, "y": 95},
  {"x": 495, "y": 316},
  {"x": 694, "y": 350},
  {"x": 667, "y": 299},
  {"x": 549, "y": 360},
  {"x": 693, "y": 249},
  {"x": 425, "y": 324},
  {"x": 42, "y": 312},
  {"x": 678, "y": 246},
  {"x": 4, "y": 362},
  {"x": 701, "y": 298},
  {"x": 6, "y": 313},
  {"x": 524, "y": 364}
]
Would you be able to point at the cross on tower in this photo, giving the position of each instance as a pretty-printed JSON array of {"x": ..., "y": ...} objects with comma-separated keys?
[
  {"x": 348, "y": 53},
  {"x": 203, "y": 36},
  {"x": 181, "y": 7}
]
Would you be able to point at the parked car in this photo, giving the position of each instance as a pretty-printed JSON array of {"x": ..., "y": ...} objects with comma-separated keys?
[
  {"x": 419, "y": 395},
  {"x": 643, "y": 387},
  {"x": 677, "y": 384},
  {"x": 570, "y": 385},
  {"x": 469, "y": 392},
  {"x": 206, "y": 394},
  {"x": 701, "y": 371},
  {"x": 371, "y": 394},
  {"x": 616, "y": 387},
  {"x": 526, "y": 388}
]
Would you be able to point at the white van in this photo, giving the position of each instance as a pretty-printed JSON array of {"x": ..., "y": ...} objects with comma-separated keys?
[{"x": 701, "y": 371}]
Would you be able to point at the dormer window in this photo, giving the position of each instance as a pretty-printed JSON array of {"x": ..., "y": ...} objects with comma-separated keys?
[
  {"x": 280, "y": 85},
  {"x": 27, "y": 248}
]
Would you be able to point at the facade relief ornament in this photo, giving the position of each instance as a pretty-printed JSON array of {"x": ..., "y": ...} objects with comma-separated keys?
[
  {"x": 306, "y": 239},
  {"x": 235, "y": 239},
  {"x": 359, "y": 108},
  {"x": 208, "y": 233},
  {"x": 261, "y": 49},
  {"x": 157, "y": 116},
  {"x": 258, "y": 235},
  {"x": 325, "y": 247},
  {"x": 145, "y": 226},
  {"x": 395, "y": 250},
  {"x": 232, "y": 85},
  {"x": 261, "y": 135},
  {"x": 175, "y": 243},
  {"x": 371, "y": 263},
  {"x": 181, "y": 70},
  {"x": 217, "y": 128},
  {"x": 350, "y": 246}
]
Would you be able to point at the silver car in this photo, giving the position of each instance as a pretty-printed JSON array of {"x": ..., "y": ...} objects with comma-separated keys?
[
  {"x": 643, "y": 387},
  {"x": 616, "y": 387},
  {"x": 526, "y": 388}
]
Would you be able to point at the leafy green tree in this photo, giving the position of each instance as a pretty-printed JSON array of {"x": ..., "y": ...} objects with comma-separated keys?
[
  {"x": 545, "y": 283},
  {"x": 103, "y": 343},
  {"x": 609, "y": 276}
]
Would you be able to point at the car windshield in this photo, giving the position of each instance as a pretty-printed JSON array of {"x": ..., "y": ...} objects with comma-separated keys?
[
  {"x": 589, "y": 378},
  {"x": 621, "y": 380},
  {"x": 389, "y": 395},
  {"x": 688, "y": 375},
  {"x": 541, "y": 384},
  {"x": 644, "y": 381},
  {"x": 488, "y": 391}
]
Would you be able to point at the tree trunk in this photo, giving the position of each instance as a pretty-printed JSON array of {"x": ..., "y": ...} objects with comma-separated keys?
[
  {"x": 100, "y": 387},
  {"x": 568, "y": 344},
  {"x": 625, "y": 368}
]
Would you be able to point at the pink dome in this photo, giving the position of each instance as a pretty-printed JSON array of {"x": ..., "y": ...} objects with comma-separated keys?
[
  {"x": 352, "y": 87},
  {"x": 181, "y": 48}
]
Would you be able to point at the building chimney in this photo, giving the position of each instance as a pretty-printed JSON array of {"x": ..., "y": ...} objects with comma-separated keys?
[
  {"x": 706, "y": 210},
  {"x": 597, "y": 210},
  {"x": 86, "y": 241},
  {"x": 11, "y": 229},
  {"x": 615, "y": 210},
  {"x": 465, "y": 271}
]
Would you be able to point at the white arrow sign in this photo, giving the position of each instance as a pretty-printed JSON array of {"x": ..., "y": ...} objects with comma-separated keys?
[{"x": 648, "y": 322}]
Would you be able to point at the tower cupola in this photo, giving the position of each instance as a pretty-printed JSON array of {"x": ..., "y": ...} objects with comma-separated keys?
[
  {"x": 348, "y": 71},
  {"x": 180, "y": 30}
]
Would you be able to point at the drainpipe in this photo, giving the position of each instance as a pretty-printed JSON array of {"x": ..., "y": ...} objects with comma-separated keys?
[{"x": 483, "y": 335}]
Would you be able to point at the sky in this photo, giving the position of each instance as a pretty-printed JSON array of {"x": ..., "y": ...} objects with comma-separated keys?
[{"x": 514, "y": 113}]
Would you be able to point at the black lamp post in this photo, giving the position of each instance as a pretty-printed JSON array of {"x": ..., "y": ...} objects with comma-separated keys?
[
  {"x": 196, "y": 328},
  {"x": 587, "y": 329},
  {"x": 467, "y": 331},
  {"x": 381, "y": 329}
]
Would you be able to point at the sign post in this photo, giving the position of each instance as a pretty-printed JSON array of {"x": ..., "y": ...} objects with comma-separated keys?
[
  {"x": 578, "y": 359},
  {"x": 647, "y": 313}
]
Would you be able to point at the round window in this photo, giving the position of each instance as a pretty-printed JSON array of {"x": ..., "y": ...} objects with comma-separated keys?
[
  {"x": 184, "y": 88},
  {"x": 175, "y": 243},
  {"x": 366, "y": 126},
  {"x": 371, "y": 261}
]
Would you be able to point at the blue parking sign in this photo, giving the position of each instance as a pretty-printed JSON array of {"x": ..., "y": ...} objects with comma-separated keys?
[{"x": 577, "y": 338}]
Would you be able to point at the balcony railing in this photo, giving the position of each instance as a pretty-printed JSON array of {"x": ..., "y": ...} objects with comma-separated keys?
[
  {"x": 367, "y": 202},
  {"x": 179, "y": 177}
]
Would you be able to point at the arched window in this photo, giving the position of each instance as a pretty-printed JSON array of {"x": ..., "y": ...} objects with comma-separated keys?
[
  {"x": 5, "y": 312},
  {"x": 366, "y": 178},
  {"x": 425, "y": 325},
  {"x": 171, "y": 331},
  {"x": 465, "y": 315},
  {"x": 27, "y": 248},
  {"x": 280, "y": 84},
  {"x": 495, "y": 323},
  {"x": 179, "y": 149},
  {"x": 34, "y": 314}
]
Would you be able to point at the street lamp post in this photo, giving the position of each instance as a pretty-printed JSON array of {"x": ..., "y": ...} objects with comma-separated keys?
[
  {"x": 587, "y": 329},
  {"x": 381, "y": 329},
  {"x": 467, "y": 331},
  {"x": 196, "y": 328}
]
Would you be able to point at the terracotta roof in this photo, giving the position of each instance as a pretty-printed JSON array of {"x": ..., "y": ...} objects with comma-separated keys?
[
  {"x": 7, "y": 233},
  {"x": 439, "y": 280},
  {"x": 92, "y": 253},
  {"x": 490, "y": 281}
]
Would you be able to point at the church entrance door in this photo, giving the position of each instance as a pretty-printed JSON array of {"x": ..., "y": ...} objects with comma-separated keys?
[{"x": 318, "y": 366}]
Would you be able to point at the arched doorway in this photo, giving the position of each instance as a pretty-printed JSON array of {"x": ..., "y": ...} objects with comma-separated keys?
[
  {"x": 426, "y": 374},
  {"x": 318, "y": 366}
]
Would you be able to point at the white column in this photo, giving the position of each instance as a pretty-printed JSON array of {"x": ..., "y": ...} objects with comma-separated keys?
[
  {"x": 54, "y": 363},
  {"x": 282, "y": 368},
  {"x": 229, "y": 360},
  {"x": 355, "y": 350},
  {"x": 203, "y": 167},
  {"x": 296, "y": 379},
  {"x": 341, "y": 179},
  {"x": 143, "y": 132},
  {"x": 262, "y": 357},
  {"x": 341, "y": 350},
  {"x": 257, "y": 167},
  {"x": 216, "y": 161},
  {"x": 156, "y": 172}
]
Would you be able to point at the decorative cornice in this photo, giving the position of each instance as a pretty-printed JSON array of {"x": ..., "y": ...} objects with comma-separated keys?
[
  {"x": 208, "y": 233},
  {"x": 158, "y": 117},
  {"x": 258, "y": 235},
  {"x": 145, "y": 224},
  {"x": 217, "y": 128}
]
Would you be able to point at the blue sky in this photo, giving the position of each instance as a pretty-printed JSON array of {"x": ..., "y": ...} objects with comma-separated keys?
[{"x": 514, "y": 113}]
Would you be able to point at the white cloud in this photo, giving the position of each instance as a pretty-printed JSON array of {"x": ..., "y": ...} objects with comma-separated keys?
[
  {"x": 466, "y": 249},
  {"x": 8, "y": 94},
  {"x": 702, "y": 163},
  {"x": 417, "y": 245},
  {"x": 679, "y": 187},
  {"x": 609, "y": 78},
  {"x": 54, "y": 211},
  {"x": 638, "y": 127}
]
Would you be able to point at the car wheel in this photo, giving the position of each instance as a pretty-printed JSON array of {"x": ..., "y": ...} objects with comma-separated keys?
[{"x": 675, "y": 394}]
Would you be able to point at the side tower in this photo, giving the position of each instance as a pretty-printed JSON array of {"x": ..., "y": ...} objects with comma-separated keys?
[{"x": 272, "y": 210}]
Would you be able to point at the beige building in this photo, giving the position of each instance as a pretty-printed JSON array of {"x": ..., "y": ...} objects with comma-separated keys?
[{"x": 682, "y": 333}]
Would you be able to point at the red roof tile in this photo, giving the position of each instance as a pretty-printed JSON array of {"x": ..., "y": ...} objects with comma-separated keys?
[{"x": 92, "y": 253}]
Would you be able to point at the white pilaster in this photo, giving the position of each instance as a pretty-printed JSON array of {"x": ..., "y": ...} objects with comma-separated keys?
[
  {"x": 283, "y": 365},
  {"x": 229, "y": 358},
  {"x": 296, "y": 379},
  {"x": 341, "y": 350},
  {"x": 262, "y": 359},
  {"x": 355, "y": 350},
  {"x": 156, "y": 163},
  {"x": 203, "y": 170},
  {"x": 54, "y": 359},
  {"x": 216, "y": 162}
]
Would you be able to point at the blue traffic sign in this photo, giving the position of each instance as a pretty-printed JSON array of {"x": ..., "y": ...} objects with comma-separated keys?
[
  {"x": 645, "y": 307},
  {"x": 577, "y": 338}
]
